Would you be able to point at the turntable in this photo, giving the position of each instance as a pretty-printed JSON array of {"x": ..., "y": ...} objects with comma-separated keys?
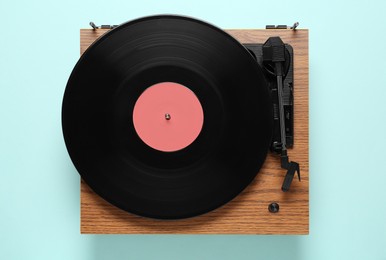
[{"x": 177, "y": 126}]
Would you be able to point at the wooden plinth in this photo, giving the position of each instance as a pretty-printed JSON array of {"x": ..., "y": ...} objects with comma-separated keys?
[{"x": 248, "y": 212}]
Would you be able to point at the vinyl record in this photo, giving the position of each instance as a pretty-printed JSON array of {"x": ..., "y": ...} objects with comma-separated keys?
[{"x": 119, "y": 141}]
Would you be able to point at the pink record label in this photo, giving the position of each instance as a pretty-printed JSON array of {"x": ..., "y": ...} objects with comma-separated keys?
[{"x": 168, "y": 116}]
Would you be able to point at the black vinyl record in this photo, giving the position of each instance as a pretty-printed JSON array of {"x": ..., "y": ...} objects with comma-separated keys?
[{"x": 113, "y": 160}]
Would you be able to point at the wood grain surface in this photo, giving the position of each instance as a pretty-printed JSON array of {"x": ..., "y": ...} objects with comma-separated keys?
[{"x": 248, "y": 212}]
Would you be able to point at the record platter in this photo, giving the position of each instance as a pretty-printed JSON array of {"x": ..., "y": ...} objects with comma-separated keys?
[{"x": 177, "y": 126}]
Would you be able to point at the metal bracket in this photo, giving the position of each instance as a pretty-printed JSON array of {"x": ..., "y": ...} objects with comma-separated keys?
[
  {"x": 92, "y": 24},
  {"x": 293, "y": 27}
]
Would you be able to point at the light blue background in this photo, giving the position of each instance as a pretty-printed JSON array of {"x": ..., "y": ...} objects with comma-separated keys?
[{"x": 39, "y": 187}]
